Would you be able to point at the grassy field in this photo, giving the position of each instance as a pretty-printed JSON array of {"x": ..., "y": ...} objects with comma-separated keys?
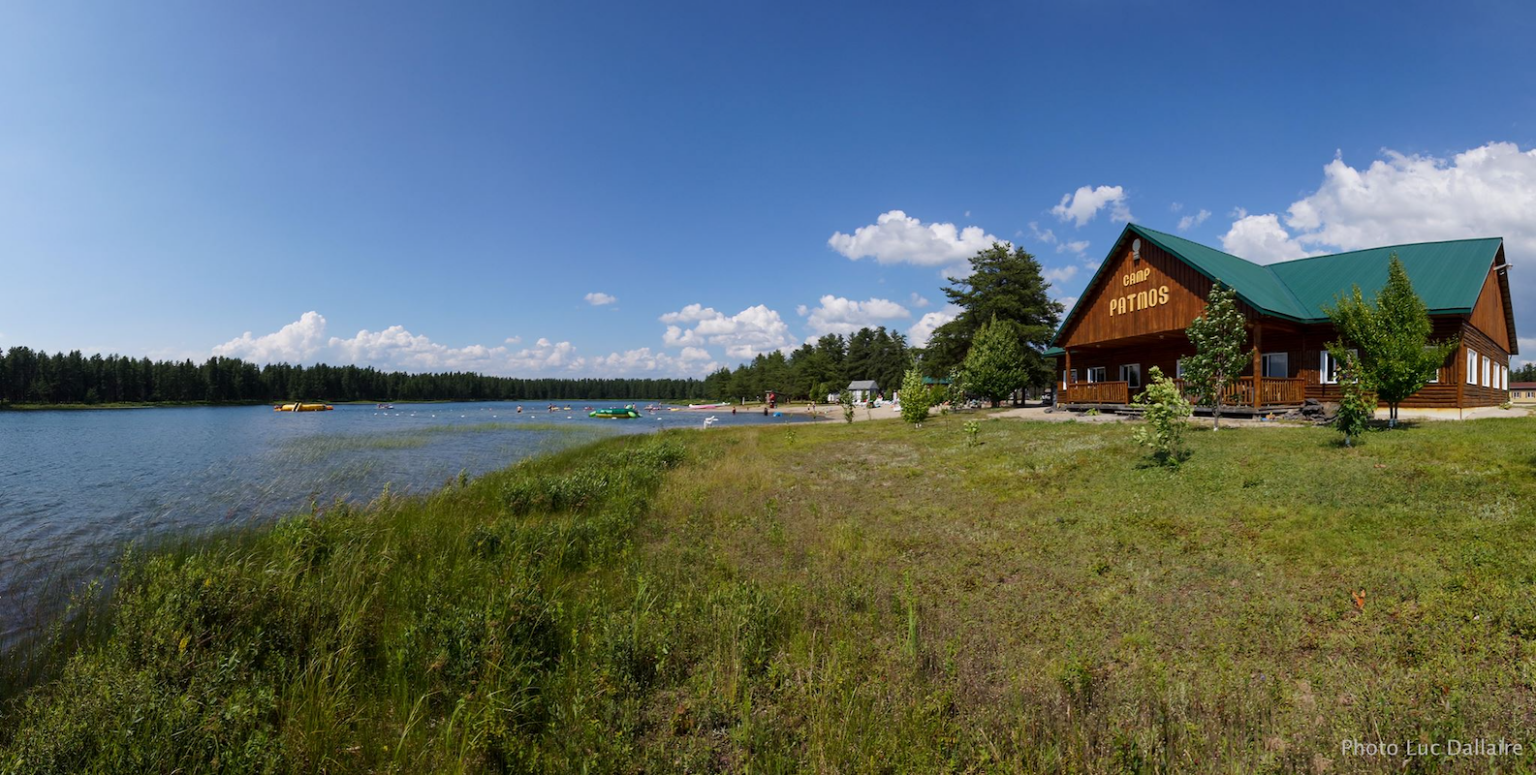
[{"x": 832, "y": 598}]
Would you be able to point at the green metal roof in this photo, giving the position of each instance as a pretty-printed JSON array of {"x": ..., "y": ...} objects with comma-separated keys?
[{"x": 1447, "y": 275}]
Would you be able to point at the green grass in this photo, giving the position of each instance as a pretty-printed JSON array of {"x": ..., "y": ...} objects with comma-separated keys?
[{"x": 865, "y": 598}]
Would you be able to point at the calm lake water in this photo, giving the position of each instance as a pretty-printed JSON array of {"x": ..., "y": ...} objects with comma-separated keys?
[{"x": 76, "y": 487}]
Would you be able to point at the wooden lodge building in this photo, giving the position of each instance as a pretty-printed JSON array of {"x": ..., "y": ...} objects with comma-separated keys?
[{"x": 1133, "y": 313}]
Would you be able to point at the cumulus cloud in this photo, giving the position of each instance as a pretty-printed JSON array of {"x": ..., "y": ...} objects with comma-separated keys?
[
  {"x": 837, "y": 315},
  {"x": 1047, "y": 236},
  {"x": 396, "y": 348},
  {"x": 1059, "y": 274},
  {"x": 917, "y": 301},
  {"x": 897, "y": 238},
  {"x": 1487, "y": 191},
  {"x": 1190, "y": 221},
  {"x": 1083, "y": 205},
  {"x": 598, "y": 299},
  {"x": 921, "y": 331},
  {"x": 297, "y": 342},
  {"x": 1261, "y": 238},
  {"x": 746, "y": 334},
  {"x": 1075, "y": 247},
  {"x": 1067, "y": 302},
  {"x": 691, "y": 362}
]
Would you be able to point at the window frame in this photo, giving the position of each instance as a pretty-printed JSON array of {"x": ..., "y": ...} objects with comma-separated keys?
[
  {"x": 1136, "y": 369},
  {"x": 1101, "y": 371},
  {"x": 1471, "y": 366},
  {"x": 1266, "y": 359}
]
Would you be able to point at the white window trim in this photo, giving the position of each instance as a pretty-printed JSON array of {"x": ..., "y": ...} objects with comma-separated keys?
[
  {"x": 1325, "y": 376},
  {"x": 1101, "y": 371},
  {"x": 1178, "y": 368},
  {"x": 1124, "y": 374},
  {"x": 1471, "y": 366},
  {"x": 1487, "y": 377},
  {"x": 1267, "y": 359}
]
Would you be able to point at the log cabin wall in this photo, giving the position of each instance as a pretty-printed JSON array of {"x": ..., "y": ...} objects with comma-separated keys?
[
  {"x": 1137, "y": 311},
  {"x": 1118, "y": 307}
]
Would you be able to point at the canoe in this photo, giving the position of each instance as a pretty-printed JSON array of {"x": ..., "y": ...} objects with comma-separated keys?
[
  {"x": 626, "y": 413},
  {"x": 300, "y": 407}
]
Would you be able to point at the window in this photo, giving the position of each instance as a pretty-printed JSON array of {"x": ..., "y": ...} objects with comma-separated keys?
[
  {"x": 1097, "y": 374},
  {"x": 1503, "y": 377},
  {"x": 1486, "y": 377},
  {"x": 1328, "y": 368},
  {"x": 1130, "y": 374},
  {"x": 1434, "y": 376},
  {"x": 1471, "y": 367},
  {"x": 1069, "y": 377},
  {"x": 1178, "y": 369},
  {"x": 1277, "y": 365}
]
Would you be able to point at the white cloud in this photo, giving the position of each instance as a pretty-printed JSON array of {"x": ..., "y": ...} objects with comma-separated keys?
[
  {"x": 915, "y": 300},
  {"x": 598, "y": 299},
  {"x": 1527, "y": 353},
  {"x": 1047, "y": 236},
  {"x": 1067, "y": 302},
  {"x": 837, "y": 315},
  {"x": 297, "y": 342},
  {"x": 896, "y": 238},
  {"x": 746, "y": 334},
  {"x": 1488, "y": 191},
  {"x": 1175, "y": 207},
  {"x": 396, "y": 348},
  {"x": 1081, "y": 206},
  {"x": 1190, "y": 221},
  {"x": 691, "y": 362},
  {"x": 1261, "y": 238},
  {"x": 922, "y": 330},
  {"x": 1059, "y": 274},
  {"x": 1075, "y": 247}
]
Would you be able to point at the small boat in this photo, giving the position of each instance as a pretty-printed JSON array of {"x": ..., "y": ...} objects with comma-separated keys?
[
  {"x": 302, "y": 407},
  {"x": 626, "y": 413},
  {"x": 385, "y": 406},
  {"x": 707, "y": 406}
]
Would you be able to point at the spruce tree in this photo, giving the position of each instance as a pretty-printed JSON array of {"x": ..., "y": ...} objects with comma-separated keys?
[{"x": 995, "y": 366}]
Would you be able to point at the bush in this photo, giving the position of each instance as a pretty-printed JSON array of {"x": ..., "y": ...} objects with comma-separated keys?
[
  {"x": 1355, "y": 409},
  {"x": 915, "y": 398},
  {"x": 1165, "y": 414}
]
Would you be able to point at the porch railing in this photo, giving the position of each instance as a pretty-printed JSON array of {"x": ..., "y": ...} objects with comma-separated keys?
[
  {"x": 1098, "y": 393},
  {"x": 1273, "y": 391}
]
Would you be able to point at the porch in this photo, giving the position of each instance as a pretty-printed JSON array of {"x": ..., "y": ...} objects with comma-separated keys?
[{"x": 1263, "y": 393}]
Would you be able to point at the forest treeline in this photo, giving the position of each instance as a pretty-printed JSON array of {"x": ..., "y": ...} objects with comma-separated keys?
[
  {"x": 29, "y": 376},
  {"x": 1005, "y": 283},
  {"x": 32, "y": 377}
]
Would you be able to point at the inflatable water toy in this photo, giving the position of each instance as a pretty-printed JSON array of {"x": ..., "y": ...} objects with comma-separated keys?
[
  {"x": 626, "y": 413},
  {"x": 300, "y": 407}
]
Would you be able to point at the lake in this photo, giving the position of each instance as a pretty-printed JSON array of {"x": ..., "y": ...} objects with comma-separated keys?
[{"x": 76, "y": 487}]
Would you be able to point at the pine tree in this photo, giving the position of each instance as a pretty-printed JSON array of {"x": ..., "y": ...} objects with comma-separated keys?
[
  {"x": 995, "y": 366},
  {"x": 1218, "y": 336}
]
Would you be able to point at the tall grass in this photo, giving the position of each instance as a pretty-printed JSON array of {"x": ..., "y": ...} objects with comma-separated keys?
[{"x": 860, "y": 598}]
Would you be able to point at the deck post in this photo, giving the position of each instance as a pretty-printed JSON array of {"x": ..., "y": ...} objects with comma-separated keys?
[
  {"x": 1066, "y": 379},
  {"x": 1258, "y": 371}
]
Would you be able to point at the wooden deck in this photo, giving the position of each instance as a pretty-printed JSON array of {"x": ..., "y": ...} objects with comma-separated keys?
[{"x": 1271, "y": 393}]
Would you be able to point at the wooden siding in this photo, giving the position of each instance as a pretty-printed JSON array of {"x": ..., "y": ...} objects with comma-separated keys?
[
  {"x": 1477, "y": 395},
  {"x": 1115, "y": 310},
  {"x": 1488, "y": 316},
  {"x": 1303, "y": 348}
]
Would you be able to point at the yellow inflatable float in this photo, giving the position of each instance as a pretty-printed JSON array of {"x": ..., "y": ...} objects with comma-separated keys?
[{"x": 296, "y": 407}]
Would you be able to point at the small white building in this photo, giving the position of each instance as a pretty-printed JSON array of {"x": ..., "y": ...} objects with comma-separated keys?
[{"x": 863, "y": 390}]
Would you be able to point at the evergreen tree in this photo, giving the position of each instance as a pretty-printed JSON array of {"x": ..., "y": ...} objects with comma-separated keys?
[
  {"x": 1218, "y": 336},
  {"x": 995, "y": 365},
  {"x": 1005, "y": 283},
  {"x": 1392, "y": 334},
  {"x": 916, "y": 398}
]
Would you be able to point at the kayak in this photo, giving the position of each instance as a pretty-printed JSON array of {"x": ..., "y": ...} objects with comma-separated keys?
[
  {"x": 303, "y": 408},
  {"x": 626, "y": 413}
]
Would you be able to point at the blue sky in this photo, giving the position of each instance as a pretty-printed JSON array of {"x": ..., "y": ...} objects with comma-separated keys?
[{"x": 452, "y": 188}]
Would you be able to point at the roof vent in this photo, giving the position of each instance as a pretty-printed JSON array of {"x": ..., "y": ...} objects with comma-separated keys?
[{"x": 1136, "y": 249}]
